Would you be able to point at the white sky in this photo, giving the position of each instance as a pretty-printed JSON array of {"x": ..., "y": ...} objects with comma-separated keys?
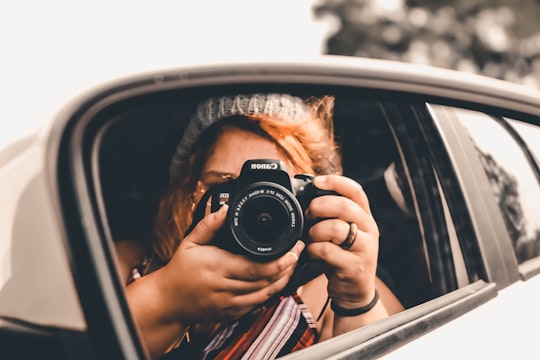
[{"x": 52, "y": 50}]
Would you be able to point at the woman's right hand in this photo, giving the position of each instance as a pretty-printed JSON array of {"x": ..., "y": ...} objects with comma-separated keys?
[{"x": 204, "y": 283}]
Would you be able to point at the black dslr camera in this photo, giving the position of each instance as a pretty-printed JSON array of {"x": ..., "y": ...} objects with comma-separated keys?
[{"x": 266, "y": 210}]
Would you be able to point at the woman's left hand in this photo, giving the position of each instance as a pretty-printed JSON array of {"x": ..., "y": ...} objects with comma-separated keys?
[{"x": 351, "y": 270}]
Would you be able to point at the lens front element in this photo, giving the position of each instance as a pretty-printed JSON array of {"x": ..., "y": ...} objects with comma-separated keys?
[{"x": 266, "y": 220}]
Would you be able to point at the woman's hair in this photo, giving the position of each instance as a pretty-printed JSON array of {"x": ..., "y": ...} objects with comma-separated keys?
[{"x": 308, "y": 145}]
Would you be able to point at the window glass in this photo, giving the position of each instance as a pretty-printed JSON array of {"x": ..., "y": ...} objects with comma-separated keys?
[
  {"x": 531, "y": 136},
  {"x": 512, "y": 178}
]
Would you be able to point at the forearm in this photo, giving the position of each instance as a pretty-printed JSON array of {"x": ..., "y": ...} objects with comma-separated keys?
[{"x": 157, "y": 328}]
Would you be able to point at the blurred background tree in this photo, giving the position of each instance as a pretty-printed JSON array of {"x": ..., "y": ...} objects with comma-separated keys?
[{"x": 497, "y": 38}]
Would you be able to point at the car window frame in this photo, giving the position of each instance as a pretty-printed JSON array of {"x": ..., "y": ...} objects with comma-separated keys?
[{"x": 493, "y": 240}]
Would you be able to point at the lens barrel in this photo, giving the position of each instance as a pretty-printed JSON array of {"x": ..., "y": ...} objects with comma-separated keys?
[{"x": 266, "y": 220}]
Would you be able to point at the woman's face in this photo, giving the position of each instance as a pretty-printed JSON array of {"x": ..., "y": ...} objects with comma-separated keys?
[{"x": 232, "y": 148}]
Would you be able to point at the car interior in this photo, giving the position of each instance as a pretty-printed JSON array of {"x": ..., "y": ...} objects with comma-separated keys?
[{"x": 131, "y": 172}]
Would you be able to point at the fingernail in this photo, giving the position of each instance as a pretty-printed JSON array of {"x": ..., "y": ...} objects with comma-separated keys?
[
  {"x": 294, "y": 255},
  {"x": 297, "y": 250},
  {"x": 299, "y": 247},
  {"x": 223, "y": 209}
]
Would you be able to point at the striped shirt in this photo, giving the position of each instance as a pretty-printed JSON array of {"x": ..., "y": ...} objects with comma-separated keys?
[{"x": 276, "y": 328}]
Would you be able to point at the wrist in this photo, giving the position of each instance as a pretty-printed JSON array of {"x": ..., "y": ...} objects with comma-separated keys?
[
  {"x": 355, "y": 311},
  {"x": 165, "y": 297}
]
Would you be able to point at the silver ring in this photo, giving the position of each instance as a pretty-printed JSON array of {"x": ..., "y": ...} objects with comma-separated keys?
[{"x": 351, "y": 237}]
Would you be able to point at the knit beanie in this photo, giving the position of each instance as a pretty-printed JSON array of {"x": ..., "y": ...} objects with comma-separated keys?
[{"x": 285, "y": 107}]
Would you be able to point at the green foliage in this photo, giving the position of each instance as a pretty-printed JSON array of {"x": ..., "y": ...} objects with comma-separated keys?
[{"x": 498, "y": 38}]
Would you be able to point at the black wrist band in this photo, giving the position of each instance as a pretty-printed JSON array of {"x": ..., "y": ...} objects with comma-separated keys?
[{"x": 358, "y": 311}]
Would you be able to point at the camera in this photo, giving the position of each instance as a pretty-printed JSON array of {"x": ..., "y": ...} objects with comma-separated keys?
[{"x": 266, "y": 210}]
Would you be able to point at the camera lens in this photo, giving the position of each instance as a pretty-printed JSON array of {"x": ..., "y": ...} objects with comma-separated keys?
[{"x": 265, "y": 220}]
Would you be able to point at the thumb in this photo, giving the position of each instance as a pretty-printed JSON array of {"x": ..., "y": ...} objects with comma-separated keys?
[{"x": 206, "y": 229}]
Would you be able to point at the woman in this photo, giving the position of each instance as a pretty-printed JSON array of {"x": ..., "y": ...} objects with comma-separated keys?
[{"x": 232, "y": 306}]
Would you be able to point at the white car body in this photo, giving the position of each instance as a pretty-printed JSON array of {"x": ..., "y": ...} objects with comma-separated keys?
[{"x": 37, "y": 286}]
